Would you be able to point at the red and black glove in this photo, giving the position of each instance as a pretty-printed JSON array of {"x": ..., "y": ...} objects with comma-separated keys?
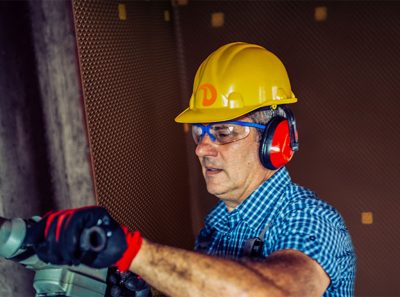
[{"x": 87, "y": 235}]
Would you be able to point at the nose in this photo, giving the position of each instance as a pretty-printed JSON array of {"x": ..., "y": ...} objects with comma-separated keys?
[{"x": 206, "y": 147}]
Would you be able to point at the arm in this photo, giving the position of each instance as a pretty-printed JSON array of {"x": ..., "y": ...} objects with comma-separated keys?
[
  {"x": 56, "y": 239},
  {"x": 294, "y": 270},
  {"x": 183, "y": 273}
]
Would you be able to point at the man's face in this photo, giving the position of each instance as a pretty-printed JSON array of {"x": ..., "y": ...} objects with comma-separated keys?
[{"x": 232, "y": 171}]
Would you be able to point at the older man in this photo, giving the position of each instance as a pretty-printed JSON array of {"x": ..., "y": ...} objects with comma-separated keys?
[{"x": 267, "y": 236}]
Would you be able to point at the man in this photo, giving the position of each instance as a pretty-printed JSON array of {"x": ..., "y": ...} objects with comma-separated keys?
[{"x": 267, "y": 236}]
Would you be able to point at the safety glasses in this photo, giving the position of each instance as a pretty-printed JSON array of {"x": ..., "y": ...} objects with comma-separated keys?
[{"x": 223, "y": 132}]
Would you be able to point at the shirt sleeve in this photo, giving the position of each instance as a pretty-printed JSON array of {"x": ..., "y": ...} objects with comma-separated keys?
[{"x": 319, "y": 232}]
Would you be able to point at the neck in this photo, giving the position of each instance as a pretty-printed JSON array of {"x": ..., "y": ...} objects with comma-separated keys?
[{"x": 231, "y": 204}]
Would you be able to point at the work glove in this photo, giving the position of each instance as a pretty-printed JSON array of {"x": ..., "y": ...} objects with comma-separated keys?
[
  {"x": 87, "y": 235},
  {"x": 126, "y": 284}
]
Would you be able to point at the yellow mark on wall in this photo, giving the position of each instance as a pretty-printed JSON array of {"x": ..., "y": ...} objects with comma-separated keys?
[
  {"x": 186, "y": 128},
  {"x": 122, "y": 12},
  {"x": 321, "y": 13},
  {"x": 217, "y": 19},
  {"x": 367, "y": 218},
  {"x": 167, "y": 16}
]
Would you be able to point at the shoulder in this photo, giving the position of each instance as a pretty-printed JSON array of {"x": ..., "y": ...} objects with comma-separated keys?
[
  {"x": 304, "y": 203},
  {"x": 314, "y": 227},
  {"x": 309, "y": 217}
]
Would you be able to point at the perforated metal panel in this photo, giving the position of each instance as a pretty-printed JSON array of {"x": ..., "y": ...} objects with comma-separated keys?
[
  {"x": 344, "y": 71},
  {"x": 131, "y": 94}
]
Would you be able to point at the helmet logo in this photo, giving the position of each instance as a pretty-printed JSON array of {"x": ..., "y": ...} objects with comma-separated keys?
[{"x": 209, "y": 95}]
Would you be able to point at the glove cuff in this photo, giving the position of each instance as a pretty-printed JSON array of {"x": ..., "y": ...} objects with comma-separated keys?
[{"x": 134, "y": 242}]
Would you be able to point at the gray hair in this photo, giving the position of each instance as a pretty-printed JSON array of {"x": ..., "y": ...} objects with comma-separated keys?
[{"x": 264, "y": 115}]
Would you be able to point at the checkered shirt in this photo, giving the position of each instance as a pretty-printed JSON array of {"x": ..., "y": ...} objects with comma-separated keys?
[{"x": 295, "y": 219}]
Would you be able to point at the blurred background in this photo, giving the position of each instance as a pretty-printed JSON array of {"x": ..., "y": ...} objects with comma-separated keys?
[{"x": 89, "y": 91}]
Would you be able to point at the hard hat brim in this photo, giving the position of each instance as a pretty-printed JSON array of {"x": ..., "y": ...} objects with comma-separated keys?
[
  {"x": 202, "y": 116},
  {"x": 191, "y": 116}
]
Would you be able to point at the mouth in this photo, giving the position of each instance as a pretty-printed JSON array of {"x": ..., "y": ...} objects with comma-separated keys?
[{"x": 210, "y": 171}]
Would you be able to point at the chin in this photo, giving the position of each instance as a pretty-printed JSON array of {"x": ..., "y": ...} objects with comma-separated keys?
[
  {"x": 216, "y": 191},
  {"x": 213, "y": 190}
]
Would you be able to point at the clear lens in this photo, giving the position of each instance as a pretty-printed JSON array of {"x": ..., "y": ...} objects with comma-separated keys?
[
  {"x": 220, "y": 133},
  {"x": 197, "y": 133},
  {"x": 226, "y": 133}
]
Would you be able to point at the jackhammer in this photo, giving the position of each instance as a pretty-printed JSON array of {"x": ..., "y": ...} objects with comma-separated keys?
[{"x": 64, "y": 281}]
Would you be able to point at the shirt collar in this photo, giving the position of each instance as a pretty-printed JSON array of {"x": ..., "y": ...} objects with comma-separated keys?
[{"x": 256, "y": 209}]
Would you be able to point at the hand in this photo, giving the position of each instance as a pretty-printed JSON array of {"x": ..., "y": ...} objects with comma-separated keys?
[
  {"x": 57, "y": 239},
  {"x": 126, "y": 284}
]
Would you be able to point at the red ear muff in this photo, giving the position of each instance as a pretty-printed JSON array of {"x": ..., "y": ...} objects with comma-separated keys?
[{"x": 275, "y": 146}]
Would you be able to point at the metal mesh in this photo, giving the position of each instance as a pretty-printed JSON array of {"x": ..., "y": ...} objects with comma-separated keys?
[
  {"x": 131, "y": 95},
  {"x": 344, "y": 72}
]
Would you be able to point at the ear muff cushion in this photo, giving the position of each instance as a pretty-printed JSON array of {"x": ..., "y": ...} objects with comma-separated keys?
[{"x": 275, "y": 150}]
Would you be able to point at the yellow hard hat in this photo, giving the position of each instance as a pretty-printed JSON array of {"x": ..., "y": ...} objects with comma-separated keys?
[{"x": 234, "y": 80}]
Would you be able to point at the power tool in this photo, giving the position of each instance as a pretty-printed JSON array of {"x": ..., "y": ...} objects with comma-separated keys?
[{"x": 53, "y": 280}]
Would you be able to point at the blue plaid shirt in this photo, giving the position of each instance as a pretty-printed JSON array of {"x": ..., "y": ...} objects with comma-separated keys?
[{"x": 294, "y": 218}]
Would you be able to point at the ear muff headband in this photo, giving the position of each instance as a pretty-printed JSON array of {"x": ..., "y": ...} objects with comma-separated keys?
[
  {"x": 294, "y": 138},
  {"x": 279, "y": 141}
]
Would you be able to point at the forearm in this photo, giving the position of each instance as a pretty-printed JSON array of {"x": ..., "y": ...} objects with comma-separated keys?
[{"x": 178, "y": 272}]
